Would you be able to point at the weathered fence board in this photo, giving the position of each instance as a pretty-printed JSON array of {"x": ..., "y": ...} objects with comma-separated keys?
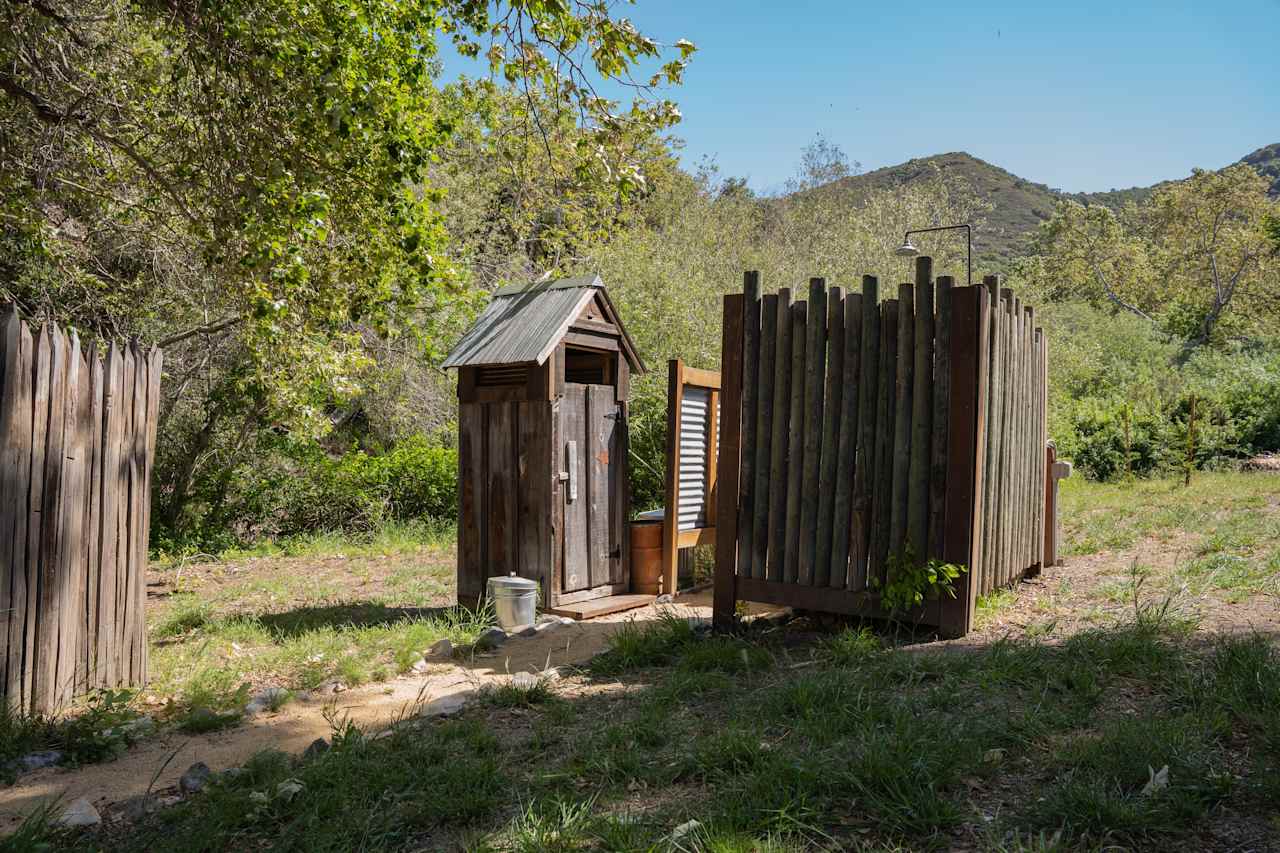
[
  {"x": 77, "y": 440},
  {"x": 882, "y": 431}
]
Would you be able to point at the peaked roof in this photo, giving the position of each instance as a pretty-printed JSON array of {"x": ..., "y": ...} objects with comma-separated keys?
[{"x": 524, "y": 323}]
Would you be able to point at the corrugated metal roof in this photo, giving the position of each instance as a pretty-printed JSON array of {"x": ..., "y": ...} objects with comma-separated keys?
[{"x": 523, "y": 323}]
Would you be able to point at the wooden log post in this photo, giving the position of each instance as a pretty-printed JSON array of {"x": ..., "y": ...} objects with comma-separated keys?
[
  {"x": 1006, "y": 450},
  {"x": 832, "y": 405},
  {"x": 671, "y": 522},
  {"x": 724, "y": 596},
  {"x": 941, "y": 406},
  {"x": 814, "y": 384},
  {"x": 882, "y": 484},
  {"x": 795, "y": 443},
  {"x": 780, "y": 429},
  {"x": 846, "y": 452},
  {"x": 903, "y": 390},
  {"x": 750, "y": 398},
  {"x": 966, "y": 436},
  {"x": 921, "y": 452},
  {"x": 991, "y": 480},
  {"x": 865, "y": 455},
  {"x": 764, "y": 435}
]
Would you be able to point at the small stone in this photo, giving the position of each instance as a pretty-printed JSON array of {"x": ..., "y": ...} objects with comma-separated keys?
[
  {"x": 318, "y": 747},
  {"x": 547, "y": 619},
  {"x": 525, "y": 631},
  {"x": 196, "y": 777},
  {"x": 567, "y": 620},
  {"x": 80, "y": 813},
  {"x": 491, "y": 638},
  {"x": 137, "y": 808},
  {"x": 551, "y": 674},
  {"x": 289, "y": 788},
  {"x": 447, "y": 705},
  {"x": 684, "y": 829},
  {"x": 665, "y": 598},
  {"x": 442, "y": 648},
  {"x": 231, "y": 774},
  {"x": 134, "y": 729},
  {"x": 552, "y": 625},
  {"x": 37, "y": 760},
  {"x": 336, "y": 687},
  {"x": 269, "y": 699}
]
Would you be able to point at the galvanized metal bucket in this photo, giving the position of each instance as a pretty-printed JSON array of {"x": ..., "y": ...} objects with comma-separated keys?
[{"x": 515, "y": 601}]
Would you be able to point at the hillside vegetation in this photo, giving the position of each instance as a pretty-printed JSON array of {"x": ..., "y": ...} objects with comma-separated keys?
[{"x": 1018, "y": 205}]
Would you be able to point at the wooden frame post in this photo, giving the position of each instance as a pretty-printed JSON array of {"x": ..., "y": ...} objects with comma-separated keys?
[
  {"x": 729, "y": 463},
  {"x": 671, "y": 521},
  {"x": 966, "y": 439}
]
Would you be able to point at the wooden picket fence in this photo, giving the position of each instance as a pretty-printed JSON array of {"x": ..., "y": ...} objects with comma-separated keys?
[
  {"x": 77, "y": 440},
  {"x": 872, "y": 432}
]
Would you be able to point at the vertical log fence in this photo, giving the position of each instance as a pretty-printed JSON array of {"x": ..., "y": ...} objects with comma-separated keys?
[
  {"x": 862, "y": 435},
  {"x": 77, "y": 440}
]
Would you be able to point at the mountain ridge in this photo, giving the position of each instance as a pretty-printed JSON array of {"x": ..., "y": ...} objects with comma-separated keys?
[{"x": 1019, "y": 205}]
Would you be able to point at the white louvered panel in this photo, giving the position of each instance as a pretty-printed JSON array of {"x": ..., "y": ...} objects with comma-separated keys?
[{"x": 691, "y": 509}]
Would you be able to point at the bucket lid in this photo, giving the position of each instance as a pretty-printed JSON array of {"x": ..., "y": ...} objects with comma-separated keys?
[{"x": 512, "y": 583}]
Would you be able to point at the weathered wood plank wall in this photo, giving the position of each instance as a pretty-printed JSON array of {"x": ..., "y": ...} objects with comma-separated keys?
[
  {"x": 77, "y": 444},
  {"x": 869, "y": 432}
]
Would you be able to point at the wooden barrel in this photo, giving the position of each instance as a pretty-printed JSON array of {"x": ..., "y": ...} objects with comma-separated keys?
[{"x": 646, "y": 557}]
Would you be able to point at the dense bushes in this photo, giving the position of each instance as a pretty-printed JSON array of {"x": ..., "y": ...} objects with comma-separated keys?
[
  {"x": 297, "y": 490},
  {"x": 1120, "y": 403}
]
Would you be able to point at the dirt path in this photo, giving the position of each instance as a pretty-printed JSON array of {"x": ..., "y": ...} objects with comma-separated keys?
[{"x": 166, "y": 756}]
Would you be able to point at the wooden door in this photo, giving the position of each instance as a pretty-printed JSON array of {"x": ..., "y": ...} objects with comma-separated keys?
[{"x": 594, "y": 458}]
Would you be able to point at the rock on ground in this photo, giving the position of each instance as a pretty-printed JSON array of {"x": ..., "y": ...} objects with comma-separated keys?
[
  {"x": 195, "y": 779},
  {"x": 265, "y": 700},
  {"x": 491, "y": 638},
  {"x": 80, "y": 813},
  {"x": 318, "y": 747},
  {"x": 37, "y": 760}
]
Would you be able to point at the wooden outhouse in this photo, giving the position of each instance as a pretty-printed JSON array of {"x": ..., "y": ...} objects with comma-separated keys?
[{"x": 543, "y": 378}]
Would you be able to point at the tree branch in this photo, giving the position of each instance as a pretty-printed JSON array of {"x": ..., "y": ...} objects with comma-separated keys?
[{"x": 209, "y": 329}]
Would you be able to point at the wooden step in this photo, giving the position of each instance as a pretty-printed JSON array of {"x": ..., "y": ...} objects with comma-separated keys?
[{"x": 602, "y": 606}]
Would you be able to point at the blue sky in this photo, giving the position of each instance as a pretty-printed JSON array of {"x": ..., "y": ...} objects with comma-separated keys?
[{"x": 1081, "y": 96}]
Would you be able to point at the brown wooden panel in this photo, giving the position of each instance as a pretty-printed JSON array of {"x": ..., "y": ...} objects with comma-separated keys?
[
  {"x": 46, "y": 656},
  {"x": 15, "y": 459},
  {"x": 137, "y": 493},
  {"x": 501, "y": 485},
  {"x": 941, "y": 413},
  {"x": 42, "y": 369},
  {"x": 69, "y": 595},
  {"x": 779, "y": 436},
  {"x": 750, "y": 403},
  {"x": 966, "y": 447},
  {"x": 795, "y": 442},
  {"x": 602, "y": 414},
  {"x": 112, "y": 431},
  {"x": 846, "y": 453},
  {"x": 832, "y": 405},
  {"x": 533, "y": 495},
  {"x": 573, "y": 417},
  {"x": 815, "y": 360},
  {"x": 765, "y": 405},
  {"x": 882, "y": 485},
  {"x": 865, "y": 458},
  {"x": 921, "y": 454},
  {"x": 903, "y": 389},
  {"x": 670, "y": 526},
  {"x": 93, "y": 522},
  {"x": 726, "y": 579}
]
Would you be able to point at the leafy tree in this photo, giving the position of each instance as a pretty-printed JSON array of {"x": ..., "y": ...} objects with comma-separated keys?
[
  {"x": 254, "y": 184},
  {"x": 1196, "y": 257}
]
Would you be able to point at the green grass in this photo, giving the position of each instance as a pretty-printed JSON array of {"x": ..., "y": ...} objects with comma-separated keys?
[
  {"x": 1115, "y": 516},
  {"x": 94, "y": 730},
  {"x": 394, "y": 537},
  {"x": 840, "y": 745}
]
